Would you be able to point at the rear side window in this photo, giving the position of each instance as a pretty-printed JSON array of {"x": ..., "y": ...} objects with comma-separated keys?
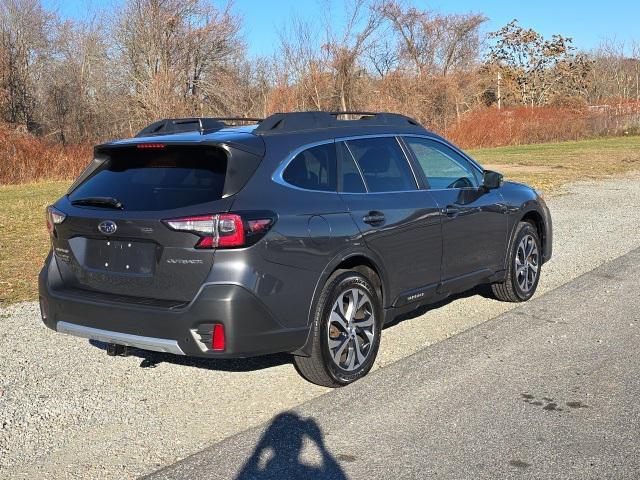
[
  {"x": 158, "y": 179},
  {"x": 383, "y": 164},
  {"x": 313, "y": 169}
]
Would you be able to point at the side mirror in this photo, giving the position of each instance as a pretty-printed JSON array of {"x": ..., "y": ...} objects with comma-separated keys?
[{"x": 491, "y": 180}]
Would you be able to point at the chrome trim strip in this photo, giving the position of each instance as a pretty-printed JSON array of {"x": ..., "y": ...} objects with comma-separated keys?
[
  {"x": 147, "y": 343},
  {"x": 277, "y": 174}
]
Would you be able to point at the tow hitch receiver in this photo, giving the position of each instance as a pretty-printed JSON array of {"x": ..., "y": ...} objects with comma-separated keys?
[{"x": 116, "y": 350}]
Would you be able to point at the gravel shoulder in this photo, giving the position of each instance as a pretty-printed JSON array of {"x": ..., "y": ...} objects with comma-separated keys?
[{"x": 69, "y": 411}]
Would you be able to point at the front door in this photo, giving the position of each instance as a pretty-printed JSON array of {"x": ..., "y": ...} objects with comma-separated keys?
[{"x": 474, "y": 220}]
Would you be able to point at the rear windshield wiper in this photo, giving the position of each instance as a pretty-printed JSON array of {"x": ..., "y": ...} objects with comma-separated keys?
[{"x": 105, "y": 202}]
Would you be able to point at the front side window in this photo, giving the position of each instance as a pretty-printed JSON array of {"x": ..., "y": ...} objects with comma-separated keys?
[
  {"x": 313, "y": 169},
  {"x": 383, "y": 164},
  {"x": 443, "y": 167}
]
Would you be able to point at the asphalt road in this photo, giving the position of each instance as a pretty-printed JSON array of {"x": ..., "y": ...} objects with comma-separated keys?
[{"x": 547, "y": 390}]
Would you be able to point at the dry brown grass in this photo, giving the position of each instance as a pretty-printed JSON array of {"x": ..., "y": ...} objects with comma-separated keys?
[
  {"x": 26, "y": 158},
  {"x": 24, "y": 240},
  {"x": 522, "y": 126}
]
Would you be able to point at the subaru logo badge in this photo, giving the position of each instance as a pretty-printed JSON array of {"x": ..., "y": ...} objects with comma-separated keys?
[{"x": 108, "y": 227}]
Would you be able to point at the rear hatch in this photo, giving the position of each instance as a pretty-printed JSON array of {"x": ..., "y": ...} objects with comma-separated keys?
[{"x": 116, "y": 239}]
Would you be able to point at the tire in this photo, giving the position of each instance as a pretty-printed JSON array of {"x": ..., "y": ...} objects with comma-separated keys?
[
  {"x": 523, "y": 271},
  {"x": 344, "y": 340}
]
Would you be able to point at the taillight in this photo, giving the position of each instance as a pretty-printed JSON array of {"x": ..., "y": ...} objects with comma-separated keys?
[
  {"x": 54, "y": 217},
  {"x": 224, "y": 230},
  {"x": 230, "y": 231}
]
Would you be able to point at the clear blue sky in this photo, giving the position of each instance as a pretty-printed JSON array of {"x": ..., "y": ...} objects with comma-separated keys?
[{"x": 588, "y": 22}]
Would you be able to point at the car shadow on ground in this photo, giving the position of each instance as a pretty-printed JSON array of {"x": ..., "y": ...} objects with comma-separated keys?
[
  {"x": 278, "y": 453},
  {"x": 153, "y": 359}
]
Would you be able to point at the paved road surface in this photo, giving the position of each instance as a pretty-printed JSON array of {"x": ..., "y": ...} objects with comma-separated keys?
[{"x": 548, "y": 390}]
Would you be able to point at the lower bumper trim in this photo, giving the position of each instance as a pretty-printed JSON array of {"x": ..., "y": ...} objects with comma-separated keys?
[{"x": 147, "y": 343}]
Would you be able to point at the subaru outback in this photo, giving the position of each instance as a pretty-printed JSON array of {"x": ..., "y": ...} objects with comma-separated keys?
[{"x": 303, "y": 232}]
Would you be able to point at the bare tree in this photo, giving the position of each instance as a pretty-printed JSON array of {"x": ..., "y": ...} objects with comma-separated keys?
[
  {"x": 345, "y": 47},
  {"x": 24, "y": 41},
  {"x": 616, "y": 71},
  {"x": 176, "y": 55},
  {"x": 434, "y": 43}
]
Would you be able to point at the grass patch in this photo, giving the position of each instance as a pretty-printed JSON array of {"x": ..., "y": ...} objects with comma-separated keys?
[
  {"x": 24, "y": 241},
  {"x": 549, "y": 165}
]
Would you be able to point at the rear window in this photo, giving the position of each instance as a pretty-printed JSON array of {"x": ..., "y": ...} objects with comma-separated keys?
[{"x": 159, "y": 179}]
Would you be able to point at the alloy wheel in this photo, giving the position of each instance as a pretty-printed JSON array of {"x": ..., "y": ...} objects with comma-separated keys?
[
  {"x": 527, "y": 263},
  {"x": 351, "y": 329}
]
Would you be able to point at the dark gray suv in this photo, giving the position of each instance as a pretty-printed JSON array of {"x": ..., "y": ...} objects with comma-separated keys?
[{"x": 303, "y": 233}]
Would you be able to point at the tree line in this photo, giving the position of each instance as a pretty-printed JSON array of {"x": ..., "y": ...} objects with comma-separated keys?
[{"x": 107, "y": 76}]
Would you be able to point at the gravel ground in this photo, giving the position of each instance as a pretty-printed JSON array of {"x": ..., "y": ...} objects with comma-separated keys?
[{"x": 69, "y": 411}]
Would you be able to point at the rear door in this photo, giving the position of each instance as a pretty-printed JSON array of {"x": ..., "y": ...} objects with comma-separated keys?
[
  {"x": 474, "y": 221},
  {"x": 114, "y": 240},
  {"x": 398, "y": 221}
]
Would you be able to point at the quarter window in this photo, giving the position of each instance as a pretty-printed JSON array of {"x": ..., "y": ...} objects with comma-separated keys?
[
  {"x": 313, "y": 169},
  {"x": 443, "y": 167},
  {"x": 383, "y": 164}
]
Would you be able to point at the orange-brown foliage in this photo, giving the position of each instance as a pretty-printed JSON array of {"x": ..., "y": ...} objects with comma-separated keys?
[
  {"x": 26, "y": 158},
  {"x": 491, "y": 127}
]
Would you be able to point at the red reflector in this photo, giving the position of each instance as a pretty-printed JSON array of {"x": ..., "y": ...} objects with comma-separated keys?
[
  {"x": 217, "y": 340},
  {"x": 150, "y": 145}
]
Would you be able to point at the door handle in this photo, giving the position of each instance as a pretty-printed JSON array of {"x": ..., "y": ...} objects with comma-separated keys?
[
  {"x": 373, "y": 218},
  {"x": 451, "y": 210}
]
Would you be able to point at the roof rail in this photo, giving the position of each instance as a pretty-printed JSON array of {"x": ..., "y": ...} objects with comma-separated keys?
[
  {"x": 298, "y": 121},
  {"x": 203, "y": 125}
]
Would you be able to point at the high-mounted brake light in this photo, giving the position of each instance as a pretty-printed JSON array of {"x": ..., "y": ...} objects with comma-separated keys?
[
  {"x": 54, "y": 217},
  {"x": 223, "y": 230},
  {"x": 150, "y": 145}
]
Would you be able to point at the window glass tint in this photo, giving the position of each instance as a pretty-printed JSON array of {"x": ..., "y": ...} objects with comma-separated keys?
[
  {"x": 163, "y": 179},
  {"x": 313, "y": 169},
  {"x": 443, "y": 167},
  {"x": 351, "y": 178},
  {"x": 383, "y": 164}
]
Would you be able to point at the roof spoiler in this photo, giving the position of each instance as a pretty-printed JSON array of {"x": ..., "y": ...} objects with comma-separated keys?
[
  {"x": 203, "y": 125},
  {"x": 297, "y": 121}
]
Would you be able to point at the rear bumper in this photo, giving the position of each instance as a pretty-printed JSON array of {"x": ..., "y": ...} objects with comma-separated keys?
[
  {"x": 147, "y": 343},
  {"x": 250, "y": 329}
]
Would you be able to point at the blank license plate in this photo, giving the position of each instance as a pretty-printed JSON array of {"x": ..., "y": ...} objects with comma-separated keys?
[{"x": 121, "y": 256}]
